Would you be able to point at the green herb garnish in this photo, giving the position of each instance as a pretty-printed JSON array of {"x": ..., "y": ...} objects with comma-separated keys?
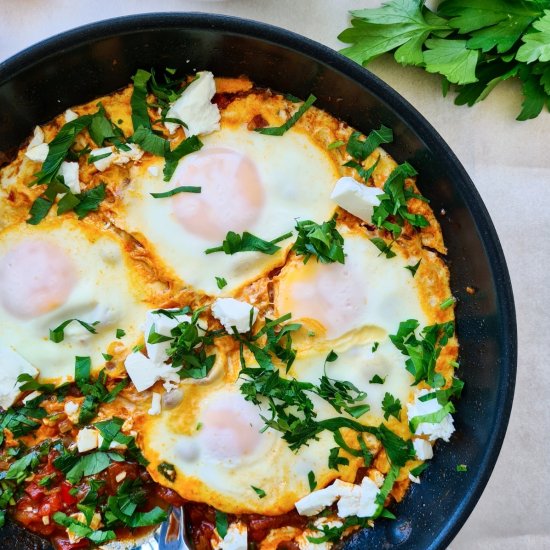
[
  {"x": 280, "y": 130},
  {"x": 320, "y": 240},
  {"x": 234, "y": 243}
]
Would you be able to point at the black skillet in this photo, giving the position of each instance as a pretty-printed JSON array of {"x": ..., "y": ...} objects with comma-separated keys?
[{"x": 96, "y": 59}]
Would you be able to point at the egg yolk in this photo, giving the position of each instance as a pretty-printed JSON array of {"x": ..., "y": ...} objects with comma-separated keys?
[
  {"x": 35, "y": 277},
  {"x": 332, "y": 294},
  {"x": 231, "y": 429},
  {"x": 231, "y": 196}
]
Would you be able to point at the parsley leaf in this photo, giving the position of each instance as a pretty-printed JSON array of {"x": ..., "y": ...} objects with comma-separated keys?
[
  {"x": 423, "y": 352},
  {"x": 360, "y": 149},
  {"x": 138, "y": 101},
  {"x": 311, "y": 480},
  {"x": 81, "y": 530},
  {"x": 377, "y": 379},
  {"x": 221, "y": 282},
  {"x": 335, "y": 460},
  {"x": 172, "y": 156},
  {"x": 536, "y": 45},
  {"x": 391, "y": 406},
  {"x": 234, "y": 243},
  {"x": 260, "y": 492},
  {"x": 175, "y": 191},
  {"x": 89, "y": 200},
  {"x": 168, "y": 471},
  {"x": 222, "y": 523},
  {"x": 413, "y": 268},
  {"x": 58, "y": 334},
  {"x": 39, "y": 210},
  {"x": 322, "y": 241},
  {"x": 280, "y": 130}
]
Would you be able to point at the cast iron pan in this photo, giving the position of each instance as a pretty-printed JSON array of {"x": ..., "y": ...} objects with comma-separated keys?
[{"x": 96, "y": 59}]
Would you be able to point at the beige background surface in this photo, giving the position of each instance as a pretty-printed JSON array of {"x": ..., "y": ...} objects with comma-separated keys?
[{"x": 508, "y": 161}]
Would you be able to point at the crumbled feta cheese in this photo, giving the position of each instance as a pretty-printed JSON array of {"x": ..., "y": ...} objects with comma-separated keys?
[
  {"x": 414, "y": 479},
  {"x": 119, "y": 157},
  {"x": 120, "y": 477},
  {"x": 69, "y": 171},
  {"x": 87, "y": 439},
  {"x": 356, "y": 198},
  {"x": 236, "y": 538},
  {"x": 233, "y": 313},
  {"x": 349, "y": 498},
  {"x": 194, "y": 107},
  {"x": 422, "y": 449},
  {"x": 71, "y": 410},
  {"x": 163, "y": 325},
  {"x": 12, "y": 365},
  {"x": 369, "y": 492},
  {"x": 442, "y": 430},
  {"x": 31, "y": 396},
  {"x": 124, "y": 157},
  {"x": 156, "y": 407},
  {"x": 38, "y": 153},
  {"x": 103, "y": 163},
  {"x": 144, "y": 373},
  {"x": 70, "y": 115},
  {"x": 37, "y": 138},
  {"x": 316, "y": 501}
]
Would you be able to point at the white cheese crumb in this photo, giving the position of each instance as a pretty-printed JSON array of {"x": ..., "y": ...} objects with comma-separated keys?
[
  {"x": 12, "y": 365},
  {"x": 357, "y": 198},
  {"x": 103, "y": 163},
  {"x": 87, "y": 439},
  {"x": 120, "y": 477},
  {"x": 156, "y": 407},
  {"x": 153, "y": 170},
  {"x": 414, "y": 479},
  {"x": 71, "y": 410},
  {"x": 69, "y": 171},
  {"x": 423, "y": 449},
  {"x": 349, "y": 498},
  {"x": 236, "y": 538},
  {"x": 316, "y": 501},
  {"x": 37, "y": 138},
  {"x": 38, "y": 153},
  {"x": 70, "y": 115},
  {"x": 369, "y": 492},
  {"x": 163, "y": 325},
  {"x": 234, "y": 313},
  {"x": 442, "y": 430},
  {"x": 194, "y": 107},
  {"x": 144, "y": 373}
]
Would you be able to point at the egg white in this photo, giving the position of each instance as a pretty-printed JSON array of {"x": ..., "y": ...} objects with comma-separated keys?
[
  {"x": 296, "y": 179},
  {"x": 103, "y": 291}
]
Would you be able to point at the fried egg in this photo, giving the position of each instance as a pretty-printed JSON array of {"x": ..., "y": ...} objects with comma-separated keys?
[
  {"x": 368, "y": 290},
  {"x": 249, "y": 182},
  {"x": 215, "y": 440},
  {"x": 59, "y": 270}
]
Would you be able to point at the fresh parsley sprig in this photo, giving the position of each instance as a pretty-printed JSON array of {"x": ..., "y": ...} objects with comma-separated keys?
[
  {"x": 473, "y": 45},
  {"x": 320, "y": 240}
]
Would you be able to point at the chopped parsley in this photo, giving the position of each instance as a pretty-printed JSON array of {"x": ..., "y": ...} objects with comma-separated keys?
[
  {"x": 176, "y": 190},
  {"x": 260, "y": 492},
  {"x": 446, "y": 304},
  {"x": 82, "y": 530},
  {"x": 120, "y": 333},
  {"x": 138, "y": 101},
  {"x": 335, "y": 144},
  {"x": 384, "y": 248},
  {"x": 391, "y": 406},
  {"x": 222, "y": 523},
  {"x": 422, "y": 352},
  {"x": 320, "y": 240},
  {"x": 335, "y": 460},
  {"x": 377, "y": 379},
  {"x": 280, "y": 130},
  {"x": 221, "y": 282},
  {"x": 311, "y": 480},
  {"x": 58, "y": 334},
  {"x": 413, "y": 268},
  {"x": 375, "y": 346},
  {"x": 234, "y": 243},
  {"x": 360, "y": 149},
  {"x": 168, "y": 471},
  {"x": 461, "y": 468},
  {"x": 432, "y": 418},
  {"x": 392, "y": 212}
]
